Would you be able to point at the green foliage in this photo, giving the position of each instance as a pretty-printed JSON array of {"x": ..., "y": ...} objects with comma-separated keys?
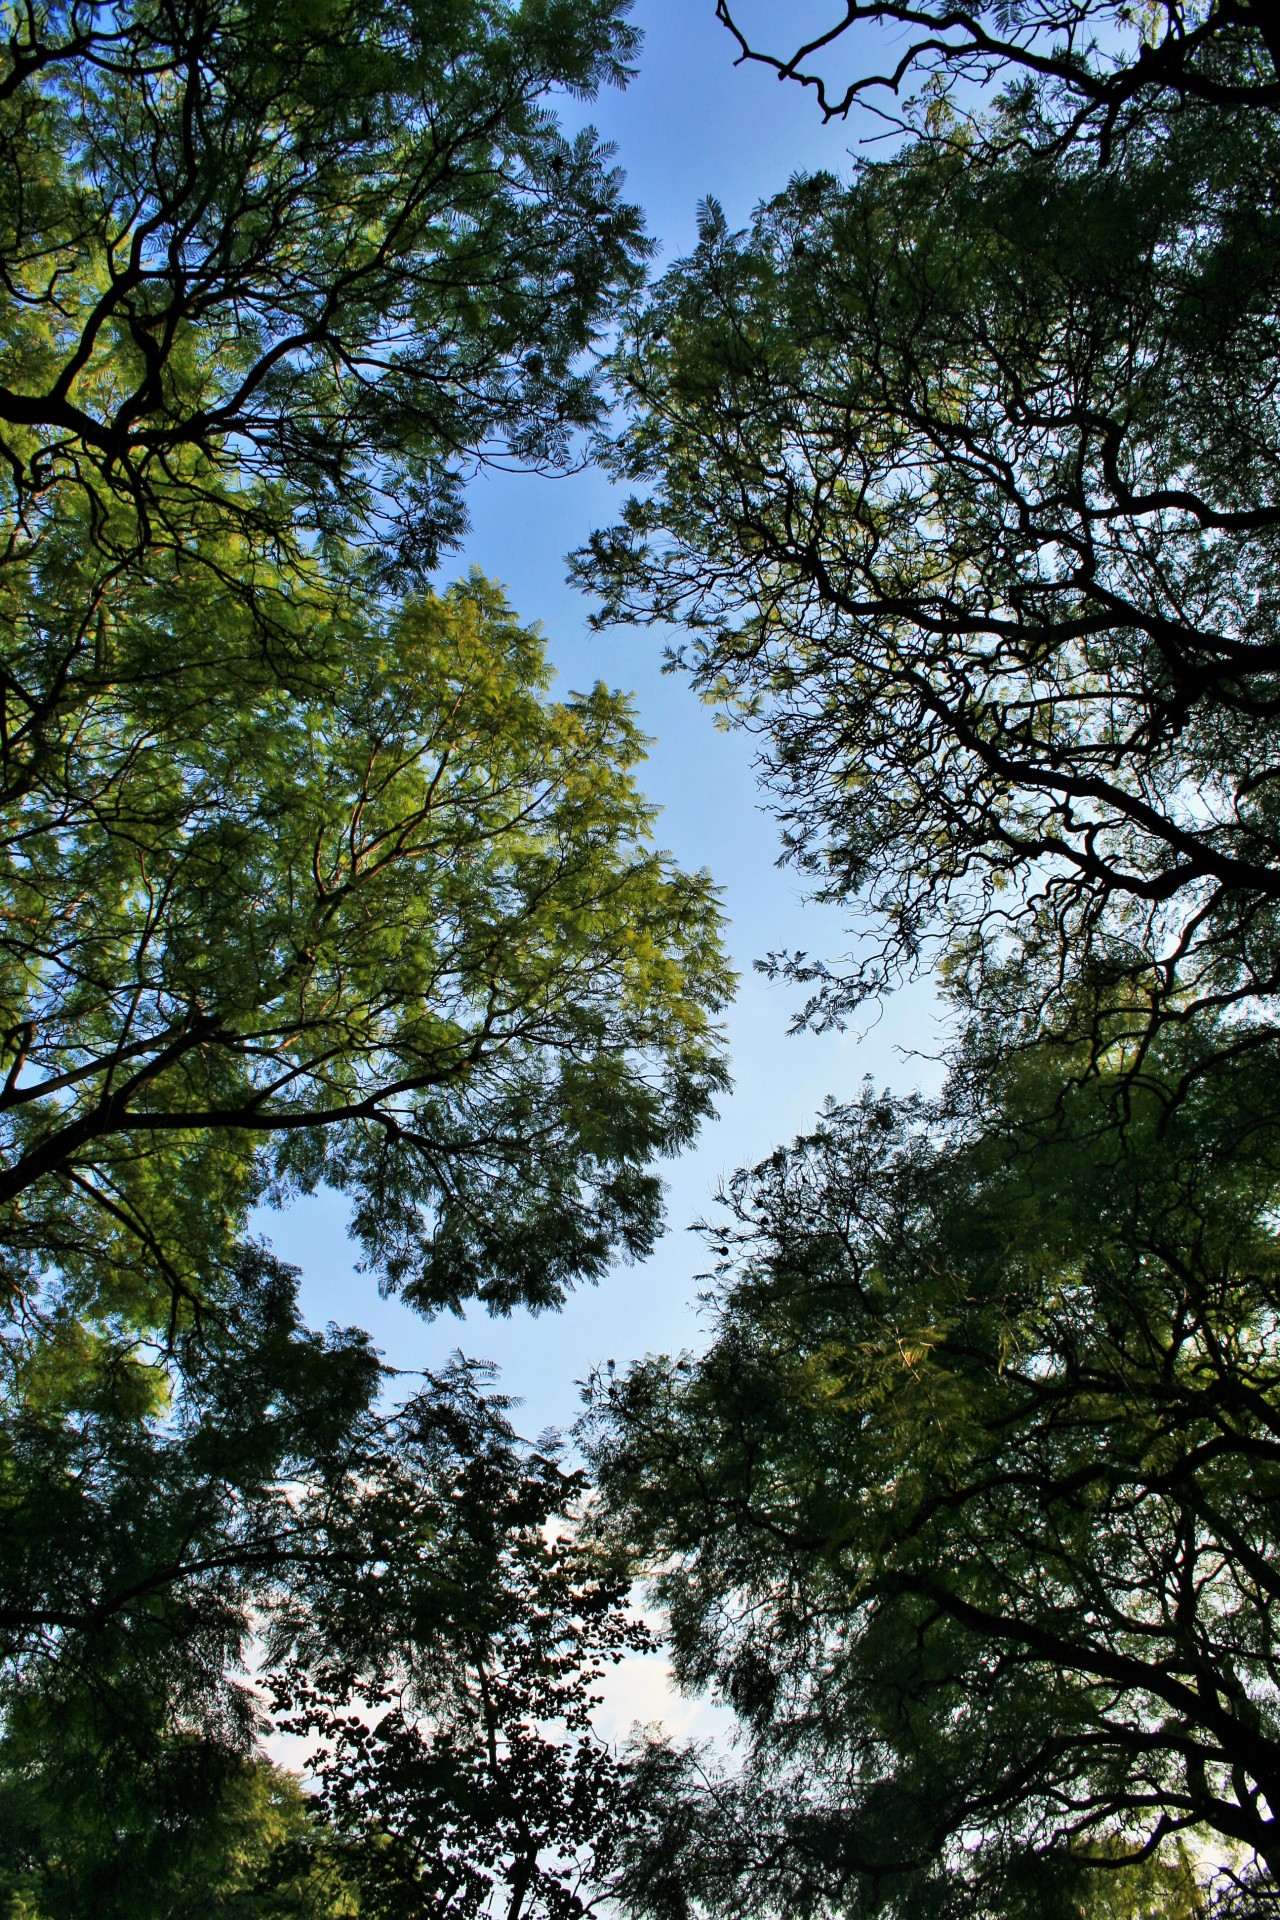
[
  {"x": 963, "y": 478},
  {"x": 960, "y": 478},
  {"x": 149, "y": 1510},
  {"x": 385, "y": 917},
  {"x": 299, "y": 263},
  {"x": 365, "y": 908},
  {"x": 305, "y": 880},
  {"x": 452, "y": 1695},
  {"x": 969, "y": 1508},
  {"x": 93, "y": 1835},
  {"x": 148, "y": 1499},
  {"x": 204, "y": 1544}
]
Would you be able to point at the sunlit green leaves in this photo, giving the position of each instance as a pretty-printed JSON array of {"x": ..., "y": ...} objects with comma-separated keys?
[
  {"x": 381, "y": 914},
  {"x": 341, "y": 250}
]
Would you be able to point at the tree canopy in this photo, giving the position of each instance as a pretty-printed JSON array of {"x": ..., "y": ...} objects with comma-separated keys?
[
  {"x": 307, "y": 879},
  {"x": 389, "y": 918},
  {"x": 968, "y": 1509},
  {"x": 195, "y": 1832},
  {"x": 959, "y": 480},
  {"x": 458, "y": 1762},
  {"x": 956, "y": 483},
  {"x": 204, "y": 1543},
  {"x": 303, "y": 263}
]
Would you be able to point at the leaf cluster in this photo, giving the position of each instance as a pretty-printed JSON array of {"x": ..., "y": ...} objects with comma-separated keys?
[
  {"x": 390, "y": 919},
  {"x": 960, "y": 479},
  {"x": 305, "y": 262},
  {"x": 237, "y": 1536},
  {"x": 304, "y": 879},
  {"x": 968, "y": 1509}
]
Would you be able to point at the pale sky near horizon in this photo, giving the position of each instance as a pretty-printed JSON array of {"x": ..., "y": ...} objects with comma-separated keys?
[{"x": 690, "y": 125}]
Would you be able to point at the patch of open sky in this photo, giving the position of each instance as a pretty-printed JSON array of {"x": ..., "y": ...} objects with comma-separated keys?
[{"x": 690, "y": 125}]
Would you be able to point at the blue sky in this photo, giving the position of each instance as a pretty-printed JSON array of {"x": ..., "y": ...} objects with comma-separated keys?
[{"x": 690, "y": 125}]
